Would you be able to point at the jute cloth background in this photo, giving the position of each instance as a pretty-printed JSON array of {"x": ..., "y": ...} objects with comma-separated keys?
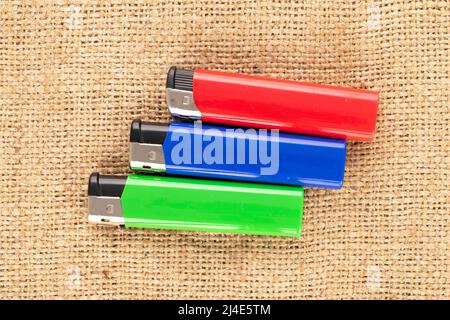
[{"x": 74, "y": 74}]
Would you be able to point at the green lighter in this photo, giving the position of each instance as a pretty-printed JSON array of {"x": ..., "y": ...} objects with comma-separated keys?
[{"x": 149, "y": 201}]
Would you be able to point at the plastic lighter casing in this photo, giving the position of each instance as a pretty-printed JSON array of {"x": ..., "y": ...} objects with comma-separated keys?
[
  {"x": 149, "y": 201},
  {"x": 258, "y": 102},
  {"x": 238, "y": 154}
]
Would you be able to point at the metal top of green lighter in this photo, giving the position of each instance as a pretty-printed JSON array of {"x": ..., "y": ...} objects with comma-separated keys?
[{"x": 104, "y": 194}]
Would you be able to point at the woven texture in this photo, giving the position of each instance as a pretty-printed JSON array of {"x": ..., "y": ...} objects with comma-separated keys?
[{"x": 74, "y": 74}]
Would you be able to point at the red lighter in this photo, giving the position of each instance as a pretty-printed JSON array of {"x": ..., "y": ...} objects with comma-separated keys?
[{"x": 291, "y": 106}]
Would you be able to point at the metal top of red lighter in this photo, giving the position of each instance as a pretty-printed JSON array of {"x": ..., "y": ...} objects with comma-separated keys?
[{"x": 250, "y": 101}]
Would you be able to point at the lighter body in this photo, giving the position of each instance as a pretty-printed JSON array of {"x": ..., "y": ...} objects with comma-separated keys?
[
  {"x": 218, "y": 152},
  {"x": 151, "y": 201},
  {"x": 259, "y": 102}
]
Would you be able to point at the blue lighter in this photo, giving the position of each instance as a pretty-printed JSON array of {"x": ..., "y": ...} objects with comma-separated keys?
[{"x": 220, "y": 152}]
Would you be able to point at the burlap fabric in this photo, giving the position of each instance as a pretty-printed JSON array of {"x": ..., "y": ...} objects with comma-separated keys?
[{"x": 73, "y": 75}]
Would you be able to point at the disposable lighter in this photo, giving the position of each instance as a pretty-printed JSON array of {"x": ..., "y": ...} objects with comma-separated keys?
[
  {"x": 150, "y": 201},
  {"x": 218, "y": 152},
  {"x": 259, "y": 102}
]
